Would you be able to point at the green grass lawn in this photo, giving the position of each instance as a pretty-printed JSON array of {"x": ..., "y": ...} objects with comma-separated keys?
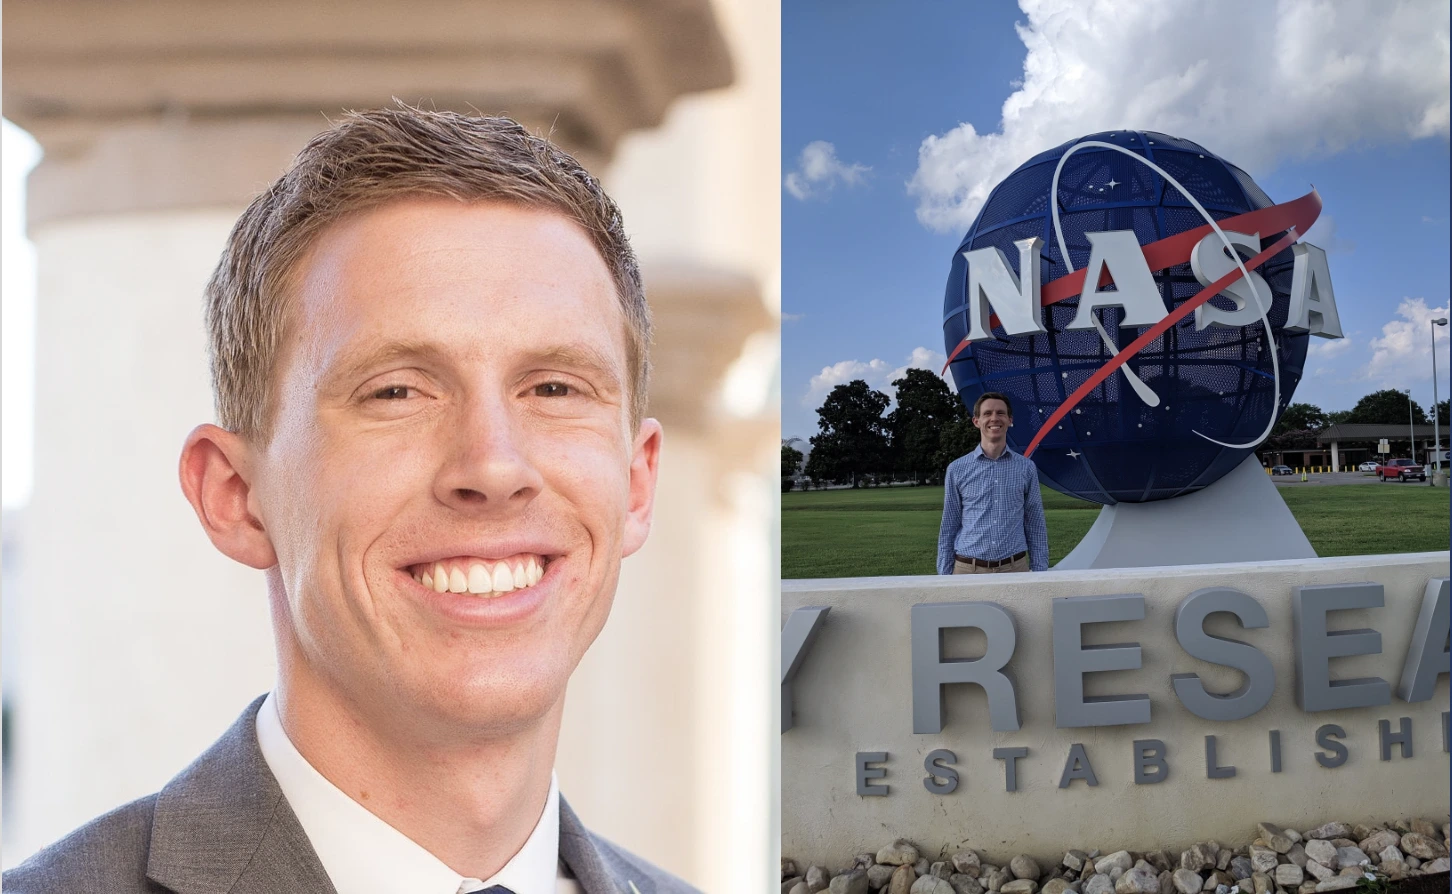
[{"x": 881, "y": 531}]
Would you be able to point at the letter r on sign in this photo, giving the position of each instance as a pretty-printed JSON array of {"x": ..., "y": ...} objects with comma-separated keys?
[{"x": 931, "y": 673}]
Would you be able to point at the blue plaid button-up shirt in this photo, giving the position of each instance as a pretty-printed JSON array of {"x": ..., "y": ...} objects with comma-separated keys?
[{"x": 992, "y": 509}]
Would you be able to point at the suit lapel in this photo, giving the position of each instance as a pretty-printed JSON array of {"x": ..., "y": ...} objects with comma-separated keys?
[
  {"x": 222, "y": 825},
  {"x": 590, "y": 866}
]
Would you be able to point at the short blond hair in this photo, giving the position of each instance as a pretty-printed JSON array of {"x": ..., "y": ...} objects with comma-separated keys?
[{"x": 369, "y": 159}]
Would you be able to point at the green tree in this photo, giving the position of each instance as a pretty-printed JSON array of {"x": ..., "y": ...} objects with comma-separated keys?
[
  {"x": 852, "y": 438},
  {"x": 958, "y": 438},
  {"x": 924, "y": 406},
  {"x": 1387, "y": 407},
  {"x": 1301, "y": 417},
  {"x": 1337, "y": 417},
  {"x": 1291, "y": 439},
  {"x": 1442, "y": 412},
  {"x": 791, "y": 460}
]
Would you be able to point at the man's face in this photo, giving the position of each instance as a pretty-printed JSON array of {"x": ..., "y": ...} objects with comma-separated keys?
[
  {"x": 993, "y": 420},
  {"x": 452, "y": 414}
]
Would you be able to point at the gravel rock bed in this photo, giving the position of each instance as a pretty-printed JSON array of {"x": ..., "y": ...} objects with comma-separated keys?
[{"x": 1331, "y": 857}]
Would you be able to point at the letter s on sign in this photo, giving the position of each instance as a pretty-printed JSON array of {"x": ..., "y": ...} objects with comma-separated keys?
[
  {"x": 1260, "y": 675},
  {"x": 936, "y": 763}
]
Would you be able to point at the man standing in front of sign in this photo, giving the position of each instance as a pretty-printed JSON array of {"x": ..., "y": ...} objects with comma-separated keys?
[{"x": 993, "y": 514}]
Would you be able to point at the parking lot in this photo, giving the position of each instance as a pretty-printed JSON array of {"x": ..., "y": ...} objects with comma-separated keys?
[{"x": 1313, "y": 478}]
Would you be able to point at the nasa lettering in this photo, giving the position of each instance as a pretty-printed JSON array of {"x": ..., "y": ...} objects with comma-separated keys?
[{"x": 1146, "y": 307}]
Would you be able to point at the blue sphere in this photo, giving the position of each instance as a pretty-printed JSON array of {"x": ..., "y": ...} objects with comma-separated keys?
[{"x": 1113, "y": 447}]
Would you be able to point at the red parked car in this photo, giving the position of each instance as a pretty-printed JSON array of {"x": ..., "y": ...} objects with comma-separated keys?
[{"x": 1401, "y": 470}]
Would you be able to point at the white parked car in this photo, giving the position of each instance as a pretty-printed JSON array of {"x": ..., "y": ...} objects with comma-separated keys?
[{"x": 1368, "y": 466}]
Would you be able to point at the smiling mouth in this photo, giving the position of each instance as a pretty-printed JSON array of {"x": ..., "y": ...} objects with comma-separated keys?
[{"x": 481, "y": 577}]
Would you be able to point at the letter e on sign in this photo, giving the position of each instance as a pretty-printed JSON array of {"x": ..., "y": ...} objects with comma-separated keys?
[
  {"x": 1072, "y": 661},
  {"x": 866, "y": 772}
]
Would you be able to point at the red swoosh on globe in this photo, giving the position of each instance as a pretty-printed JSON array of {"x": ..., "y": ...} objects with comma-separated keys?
[
  {"x": 1151, "y": 334},
  {"x": 1171, "y": 250}
]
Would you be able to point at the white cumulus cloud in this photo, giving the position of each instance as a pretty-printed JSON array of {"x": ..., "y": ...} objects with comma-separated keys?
[
  {"x": 878, "y": 374},
  {"x": 1326, "y": 351},
  {"x": 1401, "y": 356},
  {"x": 1323, "y": 235},
  {"x": 819, "y": 170},
  {"x": 1326, "y": 348},
  {"x": 1253, "y": 82}
]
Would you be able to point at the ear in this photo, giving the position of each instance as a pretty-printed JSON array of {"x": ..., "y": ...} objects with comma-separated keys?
[
  {"x": 214, "y": 473},
  {"x": 644, "y": 464}
]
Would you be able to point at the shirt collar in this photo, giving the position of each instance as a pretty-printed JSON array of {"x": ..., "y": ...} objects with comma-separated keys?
[
  {"x": 362, "y": 854},
  {"x": 978, "y": 453}
]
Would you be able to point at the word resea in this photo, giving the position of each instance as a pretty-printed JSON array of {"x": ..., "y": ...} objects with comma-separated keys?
[{"x": 1428, "y": 656}]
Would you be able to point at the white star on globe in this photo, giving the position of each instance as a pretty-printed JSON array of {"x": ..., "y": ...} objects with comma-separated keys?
[{"x": 1113, "y": 183}]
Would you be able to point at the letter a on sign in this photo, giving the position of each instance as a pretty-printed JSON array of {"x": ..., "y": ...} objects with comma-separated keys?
[
  {"x": 1428, "y": 657},
  {"x": 991, "y": 283},
  {"x": 1118, "y": 252},
  {"x": 1313, "y": 304}
]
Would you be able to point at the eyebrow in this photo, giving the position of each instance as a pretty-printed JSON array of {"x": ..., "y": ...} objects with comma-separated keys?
[
  {"x": 582, "y": 356},
  {"x": 352, "y": 366},
  {"x": 571, "y": 356}
]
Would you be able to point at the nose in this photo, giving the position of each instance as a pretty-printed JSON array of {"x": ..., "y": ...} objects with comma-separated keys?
[{"x": 489, "y": 464}]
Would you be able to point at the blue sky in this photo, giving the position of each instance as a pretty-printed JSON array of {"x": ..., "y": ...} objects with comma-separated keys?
[{"x": 895, "y": 116}]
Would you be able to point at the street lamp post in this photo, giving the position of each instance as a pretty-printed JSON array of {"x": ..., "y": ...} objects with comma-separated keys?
[
  {"x": 1436, "y": 431},
  {"x": 1411, "y": 429}
]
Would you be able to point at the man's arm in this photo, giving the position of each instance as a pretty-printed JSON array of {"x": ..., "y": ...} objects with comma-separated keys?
[
  {"x": 1035, "y": 531},
  {"x": 952, "y": 521}
]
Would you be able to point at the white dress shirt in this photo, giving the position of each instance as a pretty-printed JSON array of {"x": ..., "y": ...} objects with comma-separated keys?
[{"x": 362, "y": 854}]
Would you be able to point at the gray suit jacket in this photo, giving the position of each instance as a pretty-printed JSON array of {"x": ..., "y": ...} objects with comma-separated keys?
[{"x": 222, "y": 825}]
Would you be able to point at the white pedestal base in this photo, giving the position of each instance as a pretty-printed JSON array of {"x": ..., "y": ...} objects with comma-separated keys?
[{"x": 1240, "y": 518}]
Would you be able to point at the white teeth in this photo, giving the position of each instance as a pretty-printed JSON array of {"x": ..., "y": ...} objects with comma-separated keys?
[
  {"x": 478, "y": 578},
  {"x": 503, "y": 580},
  {"x": 483, "y": 578}
]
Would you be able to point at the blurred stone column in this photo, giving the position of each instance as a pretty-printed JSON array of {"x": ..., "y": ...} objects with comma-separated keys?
[{"x": 160, "y": 120}]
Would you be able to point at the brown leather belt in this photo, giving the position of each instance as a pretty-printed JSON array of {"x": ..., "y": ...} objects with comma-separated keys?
[{"x": 990, "y": 563}]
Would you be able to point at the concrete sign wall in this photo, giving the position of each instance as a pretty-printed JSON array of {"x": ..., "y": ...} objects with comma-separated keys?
[{"x": 1145, "y": 708}]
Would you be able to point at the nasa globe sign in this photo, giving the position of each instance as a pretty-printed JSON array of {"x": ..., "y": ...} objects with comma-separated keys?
[{"x": 1145, "y": 306}]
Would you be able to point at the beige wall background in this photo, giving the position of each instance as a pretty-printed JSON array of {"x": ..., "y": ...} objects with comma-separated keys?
[
  {"x": 854, "y": 693},
  {"x": 135, "y": 643}
]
